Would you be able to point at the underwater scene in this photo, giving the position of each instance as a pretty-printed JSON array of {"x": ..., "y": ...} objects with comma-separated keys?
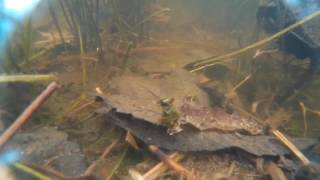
[{"x": 160, "y": 89}]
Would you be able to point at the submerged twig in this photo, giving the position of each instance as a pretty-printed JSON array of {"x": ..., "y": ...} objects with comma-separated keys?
[
  {"x": 81, "y": 107},
  {"x": 260, "y": 52},
  {"x": 280, "y": 137},
  {"x": 103, "y": 155},
  {"x": 25, "y": 116},
  {"x": 234, "y": 89},
  {"x": 207, "y": 62},
  {"x": 304, "y": 116},
  {"x": 291, "y": 146},
  {"x": 160, "y": 167},
  {"x": 73, "y": 105},
  {"x": 154, "y": 172},
  {"x": 313, "y": 111},
  {"x": 123, "y": 155},
  {"x": 275, "y": 172},
  {"x": 171, "y": 164},
  {"x": 131, "y": 141}
]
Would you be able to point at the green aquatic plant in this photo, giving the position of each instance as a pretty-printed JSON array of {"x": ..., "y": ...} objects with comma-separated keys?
[
  {"x": 20, "y": 48},
  {"x": 83, "y": 14},
  {"x": 118, "y": 163},
  {"x": 55, "y": 21},
  {"x": 211, "y": 61},
  {"x": 31, "y": 171},
  {"x": 126, "y": 58},
  {"x": 130, "y": 17},
  {"x": 27, "y": 41},
  {"x": 83, "y": 62},
  {"x": 26, "y": 78}
]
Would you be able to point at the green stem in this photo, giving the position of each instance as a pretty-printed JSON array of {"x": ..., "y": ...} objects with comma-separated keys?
[
  {"x": 26, "y": 78},
  {"x": 122, "y": 157},
  {"x": 31, "y": 171},
  {"x": 55, "y": 21},
  {"x": 83, "y": 62},
  {"x": 210, "y": 61},
  {"x": 127, "y": 55}
]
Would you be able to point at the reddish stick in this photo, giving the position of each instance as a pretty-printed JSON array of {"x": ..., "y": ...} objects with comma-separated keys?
[
  {"x": 25, "y": 116},
  {"x": 104, "y": 155},
  {"x": 170, "y": 163}
]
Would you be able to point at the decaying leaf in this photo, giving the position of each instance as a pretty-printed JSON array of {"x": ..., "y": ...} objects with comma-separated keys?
[
  {"x": 206, "y": 119},
  {"x": 195, "y": 141},
  {"x": 140, "y": 96},
  {"x": 136, "y": 108}
]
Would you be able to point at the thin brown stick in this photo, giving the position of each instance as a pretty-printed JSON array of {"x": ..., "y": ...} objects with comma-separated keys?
[
  {"x": 275, "y": 172},
  {"x": 304, "y": 116},
  {"x": 81, "y": 108},
  {"x": 232, "y": 92},
  {"x": 171, "y": 164},
  {"x": 154, "y": 172},
  {"x": 25, "y": 116},
  {"x": 280, "y": 137},
  {"x": 160, "y": 167},
  {"x": 88, "y": 173},
  {"x": 107, "y": 151},
  {"x": 291, "y": 146}
]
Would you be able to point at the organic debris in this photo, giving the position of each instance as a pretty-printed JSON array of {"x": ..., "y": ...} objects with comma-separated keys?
[
  {"x": 25, "y": 116},
  {"x": 68, "y": 157},
  {"x": 216, "y": 119},
  {"x": 140, "y": 95},
  {"x": 189, "y": 107},
  {"x": 171, "y": 164},
  {"x": 195, "y": 140},
  {"x": 131, "y": 53}
]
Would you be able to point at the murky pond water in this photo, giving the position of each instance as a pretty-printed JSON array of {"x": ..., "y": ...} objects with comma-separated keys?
[{"x": 149, "y": 61}]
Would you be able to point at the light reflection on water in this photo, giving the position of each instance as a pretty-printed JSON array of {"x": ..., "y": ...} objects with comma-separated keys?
[
  {"x": 9, "y": 157},
  {"x": 304, "y": 7},
  {"x": 13, "y": 11}
]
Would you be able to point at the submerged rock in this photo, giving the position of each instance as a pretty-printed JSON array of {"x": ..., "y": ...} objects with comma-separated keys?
[{"x": 46, "y": 143}]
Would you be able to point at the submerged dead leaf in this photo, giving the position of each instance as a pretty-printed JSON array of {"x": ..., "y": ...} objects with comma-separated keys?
[
  {"x": 195, "y": 141},
  {"x": 204, "y": 119},
  {"x": 140, "y": 97}
]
